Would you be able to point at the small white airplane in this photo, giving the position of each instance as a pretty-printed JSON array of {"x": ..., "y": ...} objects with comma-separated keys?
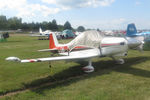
[
  {"x": 45, "y": 34},
  {"x": 101, "y": 46},
  {"x": 42, "y": 33}
]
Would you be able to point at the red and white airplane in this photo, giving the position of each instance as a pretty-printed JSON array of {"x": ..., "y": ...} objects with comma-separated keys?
[
  {"x": 55, "y": 46},
  {"x": 113, "y": 47}
]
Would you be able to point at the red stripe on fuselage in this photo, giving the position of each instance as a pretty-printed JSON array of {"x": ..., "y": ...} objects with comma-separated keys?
[
  {"x": 112, "y": 44},
  {"x": 66, "y": 47}
]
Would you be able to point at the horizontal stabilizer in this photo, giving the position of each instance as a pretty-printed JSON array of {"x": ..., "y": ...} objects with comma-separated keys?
[{"x": 47, "y": 50}]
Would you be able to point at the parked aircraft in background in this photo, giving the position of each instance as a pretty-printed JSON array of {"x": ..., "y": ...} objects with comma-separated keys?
[
  {"x": 132, "y": 32},
  {"x": 101, "y": 46},
  {"x": 44, "y": 34}
]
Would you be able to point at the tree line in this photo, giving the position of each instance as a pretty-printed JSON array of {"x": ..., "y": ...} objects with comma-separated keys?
[{"x": 15, "y": 23}]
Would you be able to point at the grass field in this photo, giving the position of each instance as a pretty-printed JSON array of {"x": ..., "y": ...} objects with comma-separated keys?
[{"x": 65, "y": 80}]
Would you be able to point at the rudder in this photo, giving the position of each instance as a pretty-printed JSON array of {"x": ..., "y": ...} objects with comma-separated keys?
[
  {"x": 131, "y": 30},
  {"x": 53, "y": 42}
]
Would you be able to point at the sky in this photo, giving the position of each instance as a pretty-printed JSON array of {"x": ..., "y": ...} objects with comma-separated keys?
[{"x": 102, "y": 14}]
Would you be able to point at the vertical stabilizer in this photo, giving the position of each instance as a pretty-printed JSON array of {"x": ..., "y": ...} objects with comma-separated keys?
[
  {"x": 53, "y": 42},
  {"x": 40, "y": 30},
  {"x": 131, "y": 30}
]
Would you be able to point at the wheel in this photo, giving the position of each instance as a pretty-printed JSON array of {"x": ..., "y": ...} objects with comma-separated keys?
[
  {"x": 88, "y": 69},
  {"x": 120, "y": 61}
]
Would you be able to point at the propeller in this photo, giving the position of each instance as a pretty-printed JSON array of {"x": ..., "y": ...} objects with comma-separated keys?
[{"x": 139, "y": 38}]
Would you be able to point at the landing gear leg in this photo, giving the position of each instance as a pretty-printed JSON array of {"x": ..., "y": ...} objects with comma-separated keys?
[
  {"x": 89, "y": 68},
  {"x": 50, "y": 66},
  {"x": 119, "y": 61}
]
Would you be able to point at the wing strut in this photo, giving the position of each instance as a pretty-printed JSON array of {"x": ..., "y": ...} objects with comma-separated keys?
[{"x": 100, "y": 49}]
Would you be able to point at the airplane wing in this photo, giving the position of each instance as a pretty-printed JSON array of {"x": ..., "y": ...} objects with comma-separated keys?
[{"x": 77, "y": 55}]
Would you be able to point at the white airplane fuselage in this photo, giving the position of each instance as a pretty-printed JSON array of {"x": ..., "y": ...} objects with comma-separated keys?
[{"x": 113, "y": 45}]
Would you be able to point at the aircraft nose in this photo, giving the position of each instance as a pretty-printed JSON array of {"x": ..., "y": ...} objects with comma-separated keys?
[{"x": 134, "y": 43}]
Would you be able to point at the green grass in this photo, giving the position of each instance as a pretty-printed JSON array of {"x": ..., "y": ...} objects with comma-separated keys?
[
  {"x": 147, "y": 46},
  {"x": 3, "y": 40},
  {"x": 109, "y": 81}
]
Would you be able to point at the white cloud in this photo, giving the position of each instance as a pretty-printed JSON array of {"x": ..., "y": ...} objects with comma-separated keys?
[
  {"x": 11, "y": 4},
  {"x": 68, "y": 4},
  {"x": 37, "y": 9},
  {"x": 24, "y": 8},
  {"x": 32, "y": 11},
  {"x": 137, "y": 3},
  {"x": 43, "y": 8}
]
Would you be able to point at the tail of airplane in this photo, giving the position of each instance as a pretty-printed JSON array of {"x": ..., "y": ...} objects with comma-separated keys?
[
  {"x": 131, "y": 30},
  {"x": 53, "y": 42},
  {"x": 40, "y": 30}
]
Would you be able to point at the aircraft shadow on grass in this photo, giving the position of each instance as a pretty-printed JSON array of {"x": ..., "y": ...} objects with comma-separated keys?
[{"x": 74, "y": 74}]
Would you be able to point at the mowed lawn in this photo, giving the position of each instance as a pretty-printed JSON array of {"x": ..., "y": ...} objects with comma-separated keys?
[{"x": 66, "y": 80}]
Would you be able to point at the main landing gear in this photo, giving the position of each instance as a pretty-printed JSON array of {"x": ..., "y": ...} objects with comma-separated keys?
[
  {"x": 89, "y": 68},
  {"x": 118, "y": 61}
]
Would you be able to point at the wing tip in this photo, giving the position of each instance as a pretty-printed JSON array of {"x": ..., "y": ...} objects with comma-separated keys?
[{"x": 14, "y": 59}]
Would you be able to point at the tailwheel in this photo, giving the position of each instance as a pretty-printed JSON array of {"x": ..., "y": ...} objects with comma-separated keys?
[{"x": 89, "y": 68}]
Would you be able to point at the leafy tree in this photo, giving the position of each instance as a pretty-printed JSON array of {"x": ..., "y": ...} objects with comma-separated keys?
[
  {"x": 54, "y": 22},
  {"x": 54, "y": 25},
  {"x": 98, "y": 30},
  {"x": 80, "y": 29},
  {"x": 3, "y": 22},
  {"x": 67, "y": 25},
  {"x": 36, "y": 26},
  {"x": 50, "y": 25},
  {"x": 60, "y": 27},
  {"x": 14, "y": 23},
  {"x": 25, "y": 26},
  {"x": 44, "y": 25}
]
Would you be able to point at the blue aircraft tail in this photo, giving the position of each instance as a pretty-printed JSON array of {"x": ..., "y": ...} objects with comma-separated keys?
[{"x": 131, "y": 30}]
